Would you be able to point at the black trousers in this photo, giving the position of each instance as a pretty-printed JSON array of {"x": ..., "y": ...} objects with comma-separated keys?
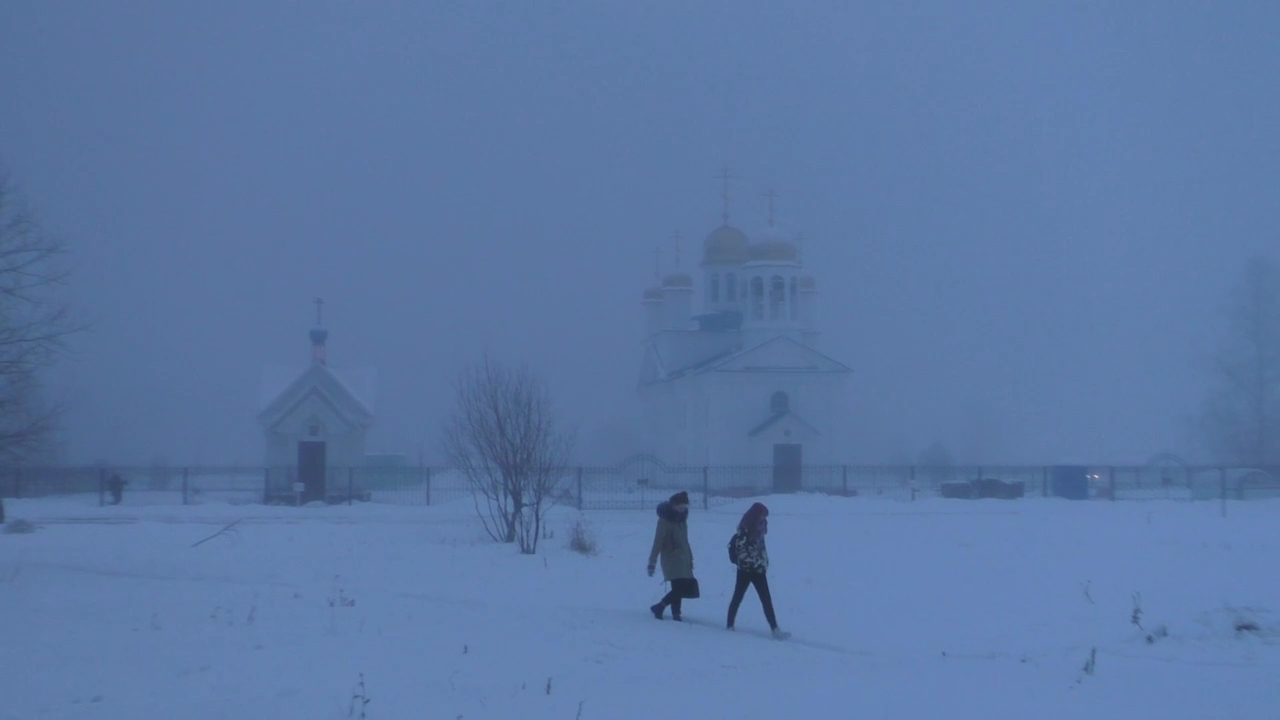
[
  {"x": 761, "y": 584},
  {"x": 681, "y": 588}
]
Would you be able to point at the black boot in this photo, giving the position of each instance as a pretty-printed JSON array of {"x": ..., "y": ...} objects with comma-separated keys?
[{"x": 657, "y": 610}]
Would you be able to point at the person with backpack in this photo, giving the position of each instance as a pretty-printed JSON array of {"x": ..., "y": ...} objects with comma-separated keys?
[
  {"x": 747, "y": 550},
  {"x": 671, "y": 543}
]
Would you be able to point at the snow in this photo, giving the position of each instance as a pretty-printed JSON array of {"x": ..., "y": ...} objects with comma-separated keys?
[{"x": 928, "y": 609}]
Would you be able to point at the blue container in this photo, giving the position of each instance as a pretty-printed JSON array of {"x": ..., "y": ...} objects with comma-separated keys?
[{"x": 1070, "y": 482}]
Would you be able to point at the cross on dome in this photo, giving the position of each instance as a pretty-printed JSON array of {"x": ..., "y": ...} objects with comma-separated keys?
[
  {"x": 724, "y": 177},
  {"x": 772, "y": 195}
]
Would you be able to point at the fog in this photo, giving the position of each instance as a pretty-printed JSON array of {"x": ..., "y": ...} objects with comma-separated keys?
[{"x": 1023, "y": 217}]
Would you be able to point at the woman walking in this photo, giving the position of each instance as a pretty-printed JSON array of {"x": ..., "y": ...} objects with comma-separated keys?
[
  {"x": 752, "y": 558},
  {"x": 671, "y": 543}
]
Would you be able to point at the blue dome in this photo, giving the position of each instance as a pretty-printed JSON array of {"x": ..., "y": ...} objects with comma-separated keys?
[{"x": 319, "y": 335}]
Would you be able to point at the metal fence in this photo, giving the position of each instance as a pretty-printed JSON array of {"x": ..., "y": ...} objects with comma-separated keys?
[{"x": 641, "y": 482}]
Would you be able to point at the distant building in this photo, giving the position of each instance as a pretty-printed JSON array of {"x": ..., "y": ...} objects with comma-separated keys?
[
  {"x": 742, "y": 382},
  {"x": 316, "y": 420}
]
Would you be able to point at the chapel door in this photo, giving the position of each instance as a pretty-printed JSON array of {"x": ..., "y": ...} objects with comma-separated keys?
[
  {"x": 311, "y": 470},
  {"x": 786, "y": 467}
]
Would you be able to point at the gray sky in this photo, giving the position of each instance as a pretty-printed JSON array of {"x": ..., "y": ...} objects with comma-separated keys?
[{"x": 1022, "y": 215}]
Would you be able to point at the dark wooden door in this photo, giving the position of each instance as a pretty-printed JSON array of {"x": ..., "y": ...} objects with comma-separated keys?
[
  {"x": 786, "y": 468},
  {"x": 311, "y": 469}
]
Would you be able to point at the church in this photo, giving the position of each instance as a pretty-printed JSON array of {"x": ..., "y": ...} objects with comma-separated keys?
[
  {"x": 315, "y": 420},
  {"x": 741, "y": 381}
]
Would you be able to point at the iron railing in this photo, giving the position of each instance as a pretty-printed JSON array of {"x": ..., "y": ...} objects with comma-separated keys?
[{"x": 639, "y": 482}]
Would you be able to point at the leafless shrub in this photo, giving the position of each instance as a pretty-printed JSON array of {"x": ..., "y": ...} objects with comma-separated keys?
[
  {"x": 504, "y": 438},
  {"x": 582, "y": 539}
]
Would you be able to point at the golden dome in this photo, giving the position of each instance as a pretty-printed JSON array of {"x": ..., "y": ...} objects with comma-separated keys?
[
  {"x": 808, "y": 283},
  {"x": 677, "y": 280},
  {"x": 653, "y": 294},
  {"x": 772, "y": 251},
  {"x": 726, "y": 245}
]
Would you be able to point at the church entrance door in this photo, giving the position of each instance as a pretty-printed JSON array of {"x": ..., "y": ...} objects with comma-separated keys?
[
  {"x": 311, "y": 469},
  {"x": 786, "y": 468}
]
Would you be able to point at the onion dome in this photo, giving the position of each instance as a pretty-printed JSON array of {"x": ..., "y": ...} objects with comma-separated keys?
[{"x": 726, "y": 245}]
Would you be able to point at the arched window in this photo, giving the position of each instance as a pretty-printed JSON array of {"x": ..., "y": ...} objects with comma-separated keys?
[
  {"x": 794, "y": 299},
  {"x": 730, "y": 287},
  {"x": 777, "y": 296},
  {"x": 779, "y": 403},
  {"x": 757, "y": 298},
  {"x": 713, "y": 288}
]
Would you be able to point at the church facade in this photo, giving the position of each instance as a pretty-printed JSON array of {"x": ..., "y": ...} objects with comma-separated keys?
[
  {"x": 731, "y": 371},
  {"x": 313, "y": 421}
]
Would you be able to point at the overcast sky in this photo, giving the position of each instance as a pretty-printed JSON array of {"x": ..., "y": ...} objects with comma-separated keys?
[{"x": 1022, "y": 215}]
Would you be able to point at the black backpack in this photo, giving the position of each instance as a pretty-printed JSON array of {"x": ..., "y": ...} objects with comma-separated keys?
[{"x": 733, "y": 547}]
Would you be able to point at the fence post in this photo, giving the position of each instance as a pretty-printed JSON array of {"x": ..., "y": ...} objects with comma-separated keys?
[
  {"x": 351, "y": 486},
  {"x": 1222, "y": 477},
  {"x": 102, "y": 487},
  {"x": 185, "y": 478},
  {"x": 17, "y": 482},
  {"x": 580, "y": 502},
  {"x": 1111, "y": 480},
  {"x": 706, "y": 488},
  {"x": 427, "y": 481},
  {"x": 912, "y": 476},
  {"x": 844, "y": 480},
  {"x": 266, "y": 486}
]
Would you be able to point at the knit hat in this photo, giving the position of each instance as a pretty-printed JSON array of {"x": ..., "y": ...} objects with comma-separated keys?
[{"x": 680, "y": 498}]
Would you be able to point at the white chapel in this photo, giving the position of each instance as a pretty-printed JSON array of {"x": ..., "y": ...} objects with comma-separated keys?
[
  {"x": 315, "y": 420},
  {"x": 741, "y": 380}
]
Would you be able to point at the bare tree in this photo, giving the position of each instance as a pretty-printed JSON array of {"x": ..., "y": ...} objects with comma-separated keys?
[
  {"x": 504, "y": 438},
  {"x": 33, "y": 325},
  {"x": 1240, "y": 420},
  {"x": 936, "y": 462}
]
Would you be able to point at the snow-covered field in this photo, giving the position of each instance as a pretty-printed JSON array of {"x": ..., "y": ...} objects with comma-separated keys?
[{"x": 931, "y": 609}]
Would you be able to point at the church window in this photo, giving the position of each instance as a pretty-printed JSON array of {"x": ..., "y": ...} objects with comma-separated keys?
[
  {"x": 730, "y": 287},
  {"x": 794, "y": 299},
  {"x": 777, "y": 296},
  {"x": 757, "y": 298},
  {"x": 780, "y": 402},
  {"x": 713, "y": 288}
]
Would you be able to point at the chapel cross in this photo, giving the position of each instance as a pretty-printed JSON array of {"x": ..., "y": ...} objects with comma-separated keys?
[
  {"x": 676, "y": 237},
  {"x": 319, "y": 304},
  {"x": 657, "y": 264}
]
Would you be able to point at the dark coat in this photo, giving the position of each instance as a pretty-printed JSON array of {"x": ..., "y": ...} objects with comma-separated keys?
[
  {"x": 671, "y": 542},
  {"x": 753, "y": 555}
]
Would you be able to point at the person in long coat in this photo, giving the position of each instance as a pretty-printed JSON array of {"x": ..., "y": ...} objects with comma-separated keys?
[{"x": 671, "y": 544}]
